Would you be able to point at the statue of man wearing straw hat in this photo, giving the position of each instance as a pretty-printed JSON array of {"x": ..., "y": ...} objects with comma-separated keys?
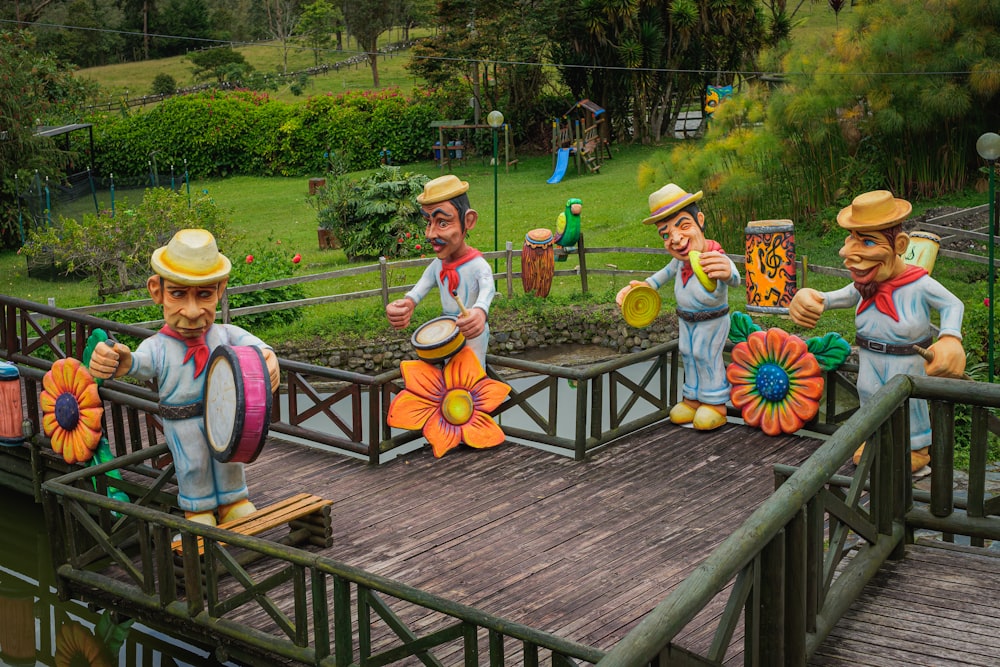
[
  {"x": 702, "y": 274},
  {"x": 893, "y": 303},
  {"x": 464, "y": 279},
  {"x": 190, "y": 275}
]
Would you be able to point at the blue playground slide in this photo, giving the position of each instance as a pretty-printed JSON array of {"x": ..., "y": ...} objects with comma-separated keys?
[{"x": 562, "y": 159}]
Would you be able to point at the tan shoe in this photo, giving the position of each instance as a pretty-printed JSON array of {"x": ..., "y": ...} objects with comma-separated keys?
[
  {"x": 709, "y": 417},
  {"x": 237, "y": 510},
  {"x": 205, "y": 518},
  {"x": 918, "y": 459},
  {"x": 683, "y": 412}
]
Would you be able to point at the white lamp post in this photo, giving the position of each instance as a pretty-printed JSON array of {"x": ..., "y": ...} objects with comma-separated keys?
[
  {"x": 988, "y": 147},
  {"x": 495, "y": 120}
]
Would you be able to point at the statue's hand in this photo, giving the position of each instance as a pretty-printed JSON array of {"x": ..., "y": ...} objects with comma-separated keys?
[
  {"x": 949, "y": 358},
  {"x": 110, "y": 360},
  {"x": 620, "y": 297},
  {"x": 806, "y": 307},
  {"x": 399, "y": 312},
  {"x": 273, "y": 371}
]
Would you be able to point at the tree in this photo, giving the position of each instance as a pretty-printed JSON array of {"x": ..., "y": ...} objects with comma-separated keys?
[
  {"x": 217, "y": 63},
  {"x": 319, "y": 21},
  {"x": 367, "y": 20},
  {"x": 188, "y": 20},
  {"x": 282, "y": 23},
  {"x": 34, "y": 89},
  {"x": 651, "y": 58}
]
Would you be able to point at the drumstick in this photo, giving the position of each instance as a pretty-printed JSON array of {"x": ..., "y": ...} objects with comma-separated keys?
[
  {"x": 461, "y": 306},
  {"x": 928, "y": 356}
]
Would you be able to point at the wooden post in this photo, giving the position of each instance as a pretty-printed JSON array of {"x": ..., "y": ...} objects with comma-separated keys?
[
  {"x": 510, "y": 274},
  {"x": 583, "y": 263},
  {"x": 384, "y": 275}
]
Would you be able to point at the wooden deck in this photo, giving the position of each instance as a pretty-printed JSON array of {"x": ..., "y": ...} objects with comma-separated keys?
[
  {"x": 936, "y": 606},
  {"x": 582, "y": 550}
]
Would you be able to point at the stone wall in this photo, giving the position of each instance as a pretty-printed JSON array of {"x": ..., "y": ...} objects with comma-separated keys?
[{"x": 512, "y": 334}]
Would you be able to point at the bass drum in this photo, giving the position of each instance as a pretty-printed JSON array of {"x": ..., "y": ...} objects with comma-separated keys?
[{"x": 237, "y": 403}]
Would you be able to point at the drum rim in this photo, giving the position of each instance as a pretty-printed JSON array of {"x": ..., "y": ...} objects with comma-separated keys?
[{"x": 239, "y": 423}]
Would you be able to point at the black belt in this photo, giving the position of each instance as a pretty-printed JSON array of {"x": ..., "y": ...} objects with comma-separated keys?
[
  {"x": 702, "y": 315},
  {"x": 189, "y": 411},
  {"x": 886, "y": 348}
]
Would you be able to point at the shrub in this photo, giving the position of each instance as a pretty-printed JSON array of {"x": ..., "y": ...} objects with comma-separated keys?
[
  {"x": 264, "y": 262},
  {"x": 375, "y": 216},
  {"x": 164, "y": 84},
  {"x": 115, "y": 248}
]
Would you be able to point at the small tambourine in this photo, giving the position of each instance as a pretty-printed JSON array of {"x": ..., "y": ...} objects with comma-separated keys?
[
  {"x": 640, "y": 306},
  {"x": 237, "y": 403},
  {"x": 438, "y": 340}
]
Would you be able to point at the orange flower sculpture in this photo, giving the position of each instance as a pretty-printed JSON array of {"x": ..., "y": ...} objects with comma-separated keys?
[
  {"x": 776, "y": 381},
  {"x": 451, "y": 405},
  {"x": 76, "y": 646},
  {"x": 71, "y": 410}
]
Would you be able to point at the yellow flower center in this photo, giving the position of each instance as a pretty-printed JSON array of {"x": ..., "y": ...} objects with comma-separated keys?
[{"x": 457, "y": 406}]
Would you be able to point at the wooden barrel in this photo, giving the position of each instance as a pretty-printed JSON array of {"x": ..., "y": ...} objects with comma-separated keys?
[
  {"x": 537, "y": 262},
  {"x": 923, "y": 250},
  {"x": 770, "y": 266},
  {"x": 17, "y": 622},
  {"x": 11, "y": 413}
]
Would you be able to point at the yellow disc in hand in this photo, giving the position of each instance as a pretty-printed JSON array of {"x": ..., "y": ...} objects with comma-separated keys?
[{"x": 640, "y": 306}]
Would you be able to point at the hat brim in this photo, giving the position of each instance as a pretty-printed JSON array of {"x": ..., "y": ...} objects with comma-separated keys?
[
  {"x": 175, "y": 274},
  {"x": 900, "y": 210},
  {"x": 683, "y": 202},
  {"x": 425, "y": 198}
]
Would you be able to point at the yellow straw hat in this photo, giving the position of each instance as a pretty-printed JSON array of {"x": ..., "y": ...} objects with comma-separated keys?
[
  {"x": 442, "y": 189},
  {"x": 668, "y": 200},
  {"x": 191, "y": 258},
  {"x": 872, "y": 211}
]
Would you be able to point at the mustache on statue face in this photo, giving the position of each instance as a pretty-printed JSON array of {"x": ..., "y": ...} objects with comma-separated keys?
[{"x": 438, "y": 242}]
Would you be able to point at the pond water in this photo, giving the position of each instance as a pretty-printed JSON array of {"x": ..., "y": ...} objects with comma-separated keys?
[{"x": 36, "y": 626}]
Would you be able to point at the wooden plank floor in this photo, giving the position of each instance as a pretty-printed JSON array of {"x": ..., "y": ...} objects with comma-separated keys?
[
  {"x": 582, "y": 550},
  {"x": 940, "y": 605}
]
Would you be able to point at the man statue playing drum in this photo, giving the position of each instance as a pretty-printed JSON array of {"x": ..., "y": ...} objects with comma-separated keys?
[
  {"x": 463, "y": 277},
  {"x": 189, "y": 277}
]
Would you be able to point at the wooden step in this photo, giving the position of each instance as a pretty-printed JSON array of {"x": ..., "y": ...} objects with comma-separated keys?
[{"x": 272, "y": 516}]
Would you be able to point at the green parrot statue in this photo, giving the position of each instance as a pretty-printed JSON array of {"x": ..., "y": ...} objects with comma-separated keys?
[{"x": 568, "y": 227}]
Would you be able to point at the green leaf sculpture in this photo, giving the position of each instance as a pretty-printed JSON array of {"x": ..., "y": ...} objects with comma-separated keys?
[
  {"x": 741, "y": 326},
  {"x": 830, "y": 350}
]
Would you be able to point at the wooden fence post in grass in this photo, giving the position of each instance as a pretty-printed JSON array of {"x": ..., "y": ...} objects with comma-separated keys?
[
  {"x": 384, "y": 275},
  {"x": 510, "y": 275},
  {"x": 225, "y": 306},
  {"x": 583, "y": 263}
]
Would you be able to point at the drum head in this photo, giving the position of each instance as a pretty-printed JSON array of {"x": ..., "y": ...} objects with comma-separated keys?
[
  {"x": 438, "y": 339},
  {"x": 237, "y": 403}
]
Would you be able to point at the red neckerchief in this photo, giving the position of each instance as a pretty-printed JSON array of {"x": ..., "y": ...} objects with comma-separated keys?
[
  {"x": 883, "y": 297},
  {"x": 196, "y": 348},
  {"x": 687, "y": 271},
  {"x": 449, "y": 270}
]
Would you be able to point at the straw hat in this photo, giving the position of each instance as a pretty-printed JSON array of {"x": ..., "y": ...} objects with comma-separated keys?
[
  {"x": 191, "y": 258},
  {"x": 442, "y": 189},
  {"x": 668, "y": 200},
  {"x": 872, "y": 211}
]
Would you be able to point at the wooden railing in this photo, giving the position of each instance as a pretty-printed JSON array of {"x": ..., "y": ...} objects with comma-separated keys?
[
  {"x": 793, "y": 568},
  {"x": 334, "y": 607}
]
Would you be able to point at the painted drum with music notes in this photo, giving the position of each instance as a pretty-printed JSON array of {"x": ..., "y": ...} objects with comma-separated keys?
[
  {"x": 770, "y": 266},
  {"x": 237, "y": 403}
]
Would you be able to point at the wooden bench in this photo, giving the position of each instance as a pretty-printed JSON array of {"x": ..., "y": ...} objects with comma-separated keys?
[{"x": 301, "y": 511}]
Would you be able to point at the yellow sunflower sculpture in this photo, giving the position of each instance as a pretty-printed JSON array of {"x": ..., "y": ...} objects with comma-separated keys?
[{"x": 71, "y": 410}]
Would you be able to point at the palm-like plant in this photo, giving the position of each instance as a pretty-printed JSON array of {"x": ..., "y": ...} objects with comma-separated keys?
[{"x": 375, "y": 216}]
